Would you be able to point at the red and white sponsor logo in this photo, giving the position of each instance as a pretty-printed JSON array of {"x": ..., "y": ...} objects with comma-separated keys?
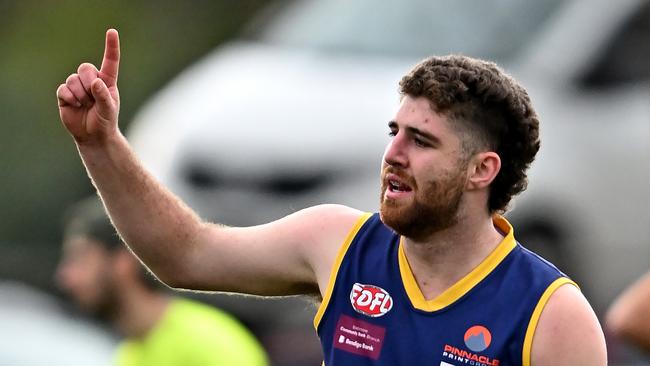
[{"x": 370, "y": 300}]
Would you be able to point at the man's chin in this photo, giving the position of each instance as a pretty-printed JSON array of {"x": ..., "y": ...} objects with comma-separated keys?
[
  {"x": 87, "y": 307},
  {"x": 94, "y": 308},
  {"x": 393, "y": 214},
  {"x": 414, "y": 221}
]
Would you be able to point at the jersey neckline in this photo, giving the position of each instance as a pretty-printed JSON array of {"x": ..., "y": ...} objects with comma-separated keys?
[{"x": 465, "y": 284}]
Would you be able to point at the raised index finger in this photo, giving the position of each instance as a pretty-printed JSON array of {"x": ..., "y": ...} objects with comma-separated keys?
[{"x": 111, "y": 61}]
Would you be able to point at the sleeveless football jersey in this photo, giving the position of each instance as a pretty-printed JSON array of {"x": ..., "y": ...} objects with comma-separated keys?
[{"x": 373, "y": 312}]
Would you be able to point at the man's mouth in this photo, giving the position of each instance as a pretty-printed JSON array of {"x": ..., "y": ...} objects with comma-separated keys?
[{"x": 397, "y": 186}]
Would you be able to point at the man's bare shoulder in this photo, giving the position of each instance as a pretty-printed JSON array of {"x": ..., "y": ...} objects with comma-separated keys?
[
  {"x": 568, "y": 332},
  {"x": 324, "y": 229}
]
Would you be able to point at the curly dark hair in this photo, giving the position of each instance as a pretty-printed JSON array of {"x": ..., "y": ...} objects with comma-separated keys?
[{"x": 488, "y": 108}]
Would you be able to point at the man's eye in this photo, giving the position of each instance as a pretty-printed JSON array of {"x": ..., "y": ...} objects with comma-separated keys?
[
  {"x": 392, "y": 133},
  {"x": 419, "y": 142}
]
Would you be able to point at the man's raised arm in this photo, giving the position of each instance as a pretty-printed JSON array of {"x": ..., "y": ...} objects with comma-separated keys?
[{"x": 290, "y": 256}]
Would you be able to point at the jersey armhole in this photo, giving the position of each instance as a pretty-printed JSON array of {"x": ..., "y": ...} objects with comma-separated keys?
[
  {"x": 336, "y": 265},
  {"x": 534, "y": 319}
]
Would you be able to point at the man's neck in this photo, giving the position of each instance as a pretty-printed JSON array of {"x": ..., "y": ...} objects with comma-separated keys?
[
  {"x": 449, "y": 255},
  {"x": 140, "y": 311}
]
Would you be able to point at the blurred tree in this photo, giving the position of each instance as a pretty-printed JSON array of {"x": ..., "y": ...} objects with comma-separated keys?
[{"x": 40, "y": 44}]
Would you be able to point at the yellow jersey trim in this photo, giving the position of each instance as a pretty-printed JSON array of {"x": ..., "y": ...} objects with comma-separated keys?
[
  {"x": 466, "y": 283},
  {"x": 336, "y": 265},
  {"x": 534, "y": 319}
]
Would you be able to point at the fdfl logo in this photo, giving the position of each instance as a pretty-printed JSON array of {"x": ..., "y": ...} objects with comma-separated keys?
[{"x": 370, "y": 300}]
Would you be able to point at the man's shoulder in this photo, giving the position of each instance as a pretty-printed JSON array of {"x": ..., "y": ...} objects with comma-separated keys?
[
  {"x": 568, "y": 332},
  {"x": 189, "y": 314},
  {"x": 193, "y": 323},
  {"x": 328, "y": 225},
  {"x": 537, "y": 264}
]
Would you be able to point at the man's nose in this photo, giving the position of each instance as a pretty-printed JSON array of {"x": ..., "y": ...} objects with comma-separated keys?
[
  {"x": 62, "y": 275},
  {"x": 395, "y": 153}
]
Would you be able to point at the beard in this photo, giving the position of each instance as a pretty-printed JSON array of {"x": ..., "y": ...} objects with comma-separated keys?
[
  {"x": 433, "y": 209},
  {"x": 103, "y": 304}
]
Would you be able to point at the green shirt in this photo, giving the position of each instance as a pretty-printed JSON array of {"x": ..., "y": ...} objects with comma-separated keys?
[{"x": 193, "y": 334}]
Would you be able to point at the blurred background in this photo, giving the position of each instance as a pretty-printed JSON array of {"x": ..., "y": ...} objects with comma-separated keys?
[{"x": 253, "y": 109}]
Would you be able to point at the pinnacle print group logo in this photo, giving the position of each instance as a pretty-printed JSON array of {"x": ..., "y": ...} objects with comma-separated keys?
[{"x": 478, "y": 338}]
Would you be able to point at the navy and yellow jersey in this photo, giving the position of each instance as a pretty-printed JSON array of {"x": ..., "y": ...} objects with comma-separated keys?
[{"x": 373, "y": 312}]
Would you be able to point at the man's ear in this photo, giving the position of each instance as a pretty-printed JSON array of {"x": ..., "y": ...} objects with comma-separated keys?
[{"x": 484, "y": 167}]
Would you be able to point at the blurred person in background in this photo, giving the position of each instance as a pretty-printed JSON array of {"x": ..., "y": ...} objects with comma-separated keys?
[
  {"x": 435, "y": 276},
  {"x": 105, "y": 279},
  {"x": 628, "y": 318}
]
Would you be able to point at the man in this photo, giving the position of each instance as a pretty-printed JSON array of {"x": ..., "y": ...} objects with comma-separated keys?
[
  {"x": 435, "y": 278},
  {"x": 104, "y": 278}
]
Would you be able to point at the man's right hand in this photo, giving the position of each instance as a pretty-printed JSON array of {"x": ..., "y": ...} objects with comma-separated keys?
[{"x": 89, "y": 101}]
